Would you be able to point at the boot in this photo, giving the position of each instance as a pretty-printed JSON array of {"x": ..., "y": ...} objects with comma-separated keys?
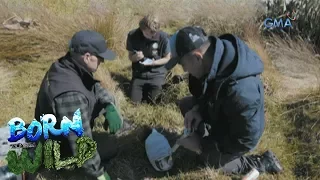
[
  {"x": 5, "y": 174},
  {"x": 271, "y": 163}
]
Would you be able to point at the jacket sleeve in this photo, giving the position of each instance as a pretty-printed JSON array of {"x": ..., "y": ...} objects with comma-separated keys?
[
  {"x": 241, "y": 111},
  {"x": 65, "y": 105},
  {"x": 104, "y": 97}
]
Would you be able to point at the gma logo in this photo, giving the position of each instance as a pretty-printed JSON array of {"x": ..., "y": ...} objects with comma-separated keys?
[
  {"x": 277, "y": 23},
  {"x": 281, "y": 22}
]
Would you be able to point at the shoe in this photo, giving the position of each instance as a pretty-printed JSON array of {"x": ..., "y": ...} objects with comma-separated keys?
[
  {"x": 271, "y": 163},
  {"x": 5, "y": 174}
]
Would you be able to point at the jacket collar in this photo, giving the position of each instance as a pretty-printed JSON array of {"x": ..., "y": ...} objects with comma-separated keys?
[{"x": 75, "y": 66}]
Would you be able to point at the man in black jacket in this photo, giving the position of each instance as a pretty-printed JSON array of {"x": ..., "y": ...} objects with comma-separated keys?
[
  {"x": 226, "y": 112},
  {"x": 69, "y": 85},
  {"x": 145, "y": 43}
]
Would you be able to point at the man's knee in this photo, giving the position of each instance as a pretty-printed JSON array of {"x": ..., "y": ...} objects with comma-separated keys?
[{"x": 136, "y": 93}]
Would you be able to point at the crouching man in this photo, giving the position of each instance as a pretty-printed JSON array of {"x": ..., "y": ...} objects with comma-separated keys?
[
  {"x": 226, "y": 112},
  {"x": 69, "y": 85}
]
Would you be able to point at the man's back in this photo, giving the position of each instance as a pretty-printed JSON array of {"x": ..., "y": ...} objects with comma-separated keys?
[
  {"x": 66, "y": 87},
  {"x": 234, "y": 100},
  {"x": 62, "y": 77}
]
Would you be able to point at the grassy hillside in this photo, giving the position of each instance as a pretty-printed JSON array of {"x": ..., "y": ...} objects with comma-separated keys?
[{"x": 292, "y": 103}]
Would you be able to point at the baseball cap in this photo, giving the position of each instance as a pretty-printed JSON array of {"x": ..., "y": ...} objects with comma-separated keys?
[
  {"x": 189, "y": 38},
  {"x": 159, "y": 151},
  {"x": 92, "y": 42}
]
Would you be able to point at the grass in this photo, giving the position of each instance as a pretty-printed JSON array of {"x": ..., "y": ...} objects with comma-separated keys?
[
  {"x": 5, "y": 78},
  {"x": 295, "y": 59},
  {"x": 303, "y": 113},
  {"x": 291, "y": 125}
]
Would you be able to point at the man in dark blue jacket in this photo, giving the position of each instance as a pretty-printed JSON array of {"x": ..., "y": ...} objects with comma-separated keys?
[{"x": 226, "y": 111}]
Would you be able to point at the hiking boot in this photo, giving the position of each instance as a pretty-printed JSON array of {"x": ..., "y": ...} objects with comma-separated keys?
[
  {"x": 5, "y": 174},
  {"x": 271, "y": 162}
]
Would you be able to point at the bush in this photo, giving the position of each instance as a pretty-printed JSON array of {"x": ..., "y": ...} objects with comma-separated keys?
[{"x": 307, "y": 17}]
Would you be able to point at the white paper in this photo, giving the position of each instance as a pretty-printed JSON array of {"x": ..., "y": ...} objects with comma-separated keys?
[{"x": 147, "y": 62}]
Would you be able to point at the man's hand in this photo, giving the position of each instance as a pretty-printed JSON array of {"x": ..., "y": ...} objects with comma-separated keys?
[
  {"x": 104, "y": 176},
  {"x": 114, "y": 118},
  {"x": 135, "y": 56},
  {"x": 192, "y": 119},
  {"x": 138, "y": 55},
  {"x": 192, "y": 142}
]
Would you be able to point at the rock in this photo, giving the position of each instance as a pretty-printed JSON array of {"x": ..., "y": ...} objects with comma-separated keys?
[{"x": 17, "y": 23}]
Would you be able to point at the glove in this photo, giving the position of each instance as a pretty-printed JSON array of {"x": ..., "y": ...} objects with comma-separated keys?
[
  {"x": 104, "y": 176},
  {"x": 113, "y": 117}
]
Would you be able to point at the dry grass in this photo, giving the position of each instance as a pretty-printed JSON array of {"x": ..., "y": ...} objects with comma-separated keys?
[
  {"x": 304, "y": 112},
  {"x": 60, "y": 19},
  {"x": 271, "y": 77},
  {"x": 227, "y": 16},
  {"x": 296, "y": 61},
  {"x": 6, "y": 77}
]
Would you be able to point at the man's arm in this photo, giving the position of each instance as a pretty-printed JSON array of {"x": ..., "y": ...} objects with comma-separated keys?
[
  {"x": 104, "y": 97},
  {"x": 65, "y": 105},
  {"x": 163, "y": 60},
  {"x": 135, "y": 56}
]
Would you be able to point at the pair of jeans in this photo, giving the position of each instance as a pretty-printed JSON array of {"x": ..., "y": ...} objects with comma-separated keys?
[{"x": 146, "y": 89}]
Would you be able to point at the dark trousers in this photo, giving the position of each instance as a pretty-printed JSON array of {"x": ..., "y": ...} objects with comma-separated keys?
[
  {"x": 145, "y": 89},
  {"x": 235, "y": 163}
]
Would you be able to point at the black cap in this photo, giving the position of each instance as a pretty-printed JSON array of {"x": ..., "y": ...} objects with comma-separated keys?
[
  {"x": 87, "y": 41},
  {"x": 190, "y": 38}
]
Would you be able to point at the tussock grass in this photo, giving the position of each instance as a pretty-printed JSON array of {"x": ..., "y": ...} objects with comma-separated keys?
[
  {"x": 303, "y": 113},
  {"x": 296, "y": 61},
  {"x": 58, "y": 21},
  {"x": 6, "y": 77},
  {"x": 227, "y": 16},
  {"x": 271, "y": 77},
  {"x": 307, "y": 17}
]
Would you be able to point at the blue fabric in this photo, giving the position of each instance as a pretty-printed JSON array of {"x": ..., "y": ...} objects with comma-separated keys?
[
  {"x": 157, "y": 146},
  {"x": 5, "y": 144},
  {"x": 172, "y": 43},
  {"x": 233, "y": 95},
  {"x": 242, "y": 108},
  {"x": 239, "y": 123},
  {"x": 174, "y": 57}
]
